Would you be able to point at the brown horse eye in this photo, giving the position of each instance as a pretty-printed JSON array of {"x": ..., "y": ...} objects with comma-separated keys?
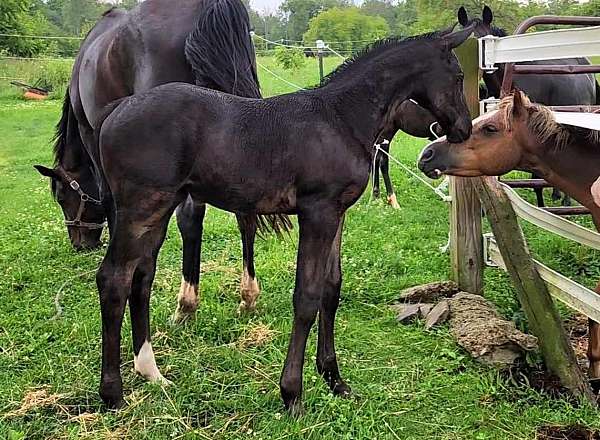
[{"x": 490, "y": 129}]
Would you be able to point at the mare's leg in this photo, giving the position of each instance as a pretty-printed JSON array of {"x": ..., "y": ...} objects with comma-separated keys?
[
  {"x": 556, "y": 195},
  {"x": 126, "y": 273},
  {"x": 249, "y": 289},
  {"x": 375, "y": 175},
  {"x": 539, "y": 192},
  {"x": 318, "y": 228},
  {"x": 385, "y": 171},
  {"x": 566, "y": 200},
  {"x": 190, "y": 217},
  {"x": 327, "y": 365}
]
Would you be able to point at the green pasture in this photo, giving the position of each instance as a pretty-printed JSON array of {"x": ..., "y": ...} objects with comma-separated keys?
[{"x": 408, "y": 383}]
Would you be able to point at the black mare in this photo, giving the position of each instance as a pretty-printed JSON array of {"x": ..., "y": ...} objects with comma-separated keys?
[
  {"x": 307, "y": 153},
  {"x": 543, "y": 89},
  {"x": 207, "y": 43}
]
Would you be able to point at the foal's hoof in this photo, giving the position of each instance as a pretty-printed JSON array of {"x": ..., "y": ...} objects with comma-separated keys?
[
  {"x": 341, "y": 389},
  {"x": 111, "y": 394}
]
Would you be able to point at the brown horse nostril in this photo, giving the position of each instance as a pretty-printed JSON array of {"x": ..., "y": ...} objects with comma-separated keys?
[{"x": 427, "y": 155}]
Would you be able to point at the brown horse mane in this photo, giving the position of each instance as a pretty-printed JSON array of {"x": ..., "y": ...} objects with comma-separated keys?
[{"x": 542, "y": 124}]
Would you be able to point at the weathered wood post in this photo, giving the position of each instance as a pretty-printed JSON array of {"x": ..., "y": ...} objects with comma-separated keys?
[
  {"x": 532, "y": 292},
  {"x": 466, "y": 242}
]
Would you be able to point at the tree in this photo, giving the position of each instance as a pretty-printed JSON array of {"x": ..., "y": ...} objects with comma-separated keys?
[
  {"x": 299, "y": 13},
  {"x": 381, "y": 8},
  {"x": 23, "y": 17},
  {"x": 79, "y": 15},
  {"x": 350, "y": 28}
]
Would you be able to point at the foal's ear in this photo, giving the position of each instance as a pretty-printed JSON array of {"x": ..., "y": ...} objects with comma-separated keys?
[
  {"x": 487, "y": 15},
  {"x": 463, "y": 18},
  {"x": 455, "y": 39},
  {"x": 45, "y": 171}
]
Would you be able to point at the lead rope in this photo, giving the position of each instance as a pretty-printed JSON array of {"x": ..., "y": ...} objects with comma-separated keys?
[{"x": 436, "y": 190}]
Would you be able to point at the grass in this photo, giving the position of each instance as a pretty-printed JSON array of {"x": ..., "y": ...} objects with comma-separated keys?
[{"x": 409, "y": 383}]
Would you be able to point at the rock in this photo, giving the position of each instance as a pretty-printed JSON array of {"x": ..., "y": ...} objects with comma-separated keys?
[
  {"x": 480, "y": 330},
  {"x": 407, "y": 312},
  {"x": 438, "y": 314},
  {"x": 424, "y": 309},
  {"x": 428, "y": 293}
]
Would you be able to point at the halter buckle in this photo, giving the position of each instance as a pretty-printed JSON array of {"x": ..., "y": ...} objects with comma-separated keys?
[{"x": 74, "y": 184}]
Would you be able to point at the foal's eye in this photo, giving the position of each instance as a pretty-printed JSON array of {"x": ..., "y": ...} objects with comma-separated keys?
[{"x": 490, "y": 129}]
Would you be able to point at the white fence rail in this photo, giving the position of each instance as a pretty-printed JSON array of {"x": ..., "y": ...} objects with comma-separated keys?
[
  {"x": 559, "y": 286},
  {"x": 537, "y": 46}
]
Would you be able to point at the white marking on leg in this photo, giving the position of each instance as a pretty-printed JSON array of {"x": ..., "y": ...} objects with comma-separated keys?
[
  {"x": 187, "y": 300},
  {"x": 393, "y": 201},
  {"x": 249, "y": 290},
  {"x": 145, "y": 364}
]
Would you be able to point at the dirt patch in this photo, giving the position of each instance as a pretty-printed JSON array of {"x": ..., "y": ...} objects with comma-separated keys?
[
  {"x": 256, "y": 336},
  {"x": 576, "y": 328},
  {"x": 574, "y": 432},
  {"x": 35, "y": 399}
]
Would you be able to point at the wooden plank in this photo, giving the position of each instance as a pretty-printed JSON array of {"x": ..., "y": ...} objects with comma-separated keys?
[
  {"x": 526, "y": 183},
  {"x": 466, "y": 244},
  {"x": 567, "y": 210},
  {"x": 564, "y": 289},
  {"x": 533, "y": 295}
]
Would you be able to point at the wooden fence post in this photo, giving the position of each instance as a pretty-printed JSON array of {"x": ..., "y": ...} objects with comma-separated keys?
[
  {"x": 466, "y": 242},
  {"x": 533, "y": 295}
]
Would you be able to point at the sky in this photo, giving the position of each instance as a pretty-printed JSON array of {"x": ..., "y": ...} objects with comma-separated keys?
[{"x": 272, "y": 5}]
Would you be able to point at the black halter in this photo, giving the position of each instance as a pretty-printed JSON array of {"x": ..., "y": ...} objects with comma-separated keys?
[{"x": 83, "y": 199}]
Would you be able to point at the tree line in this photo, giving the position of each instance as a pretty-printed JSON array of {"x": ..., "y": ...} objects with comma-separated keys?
[{"x": 343, "y": 25}]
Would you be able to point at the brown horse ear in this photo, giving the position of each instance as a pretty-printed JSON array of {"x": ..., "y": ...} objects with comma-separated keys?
[
  {"x": 463, "y": 17},
  {"x": 487, "y": 15},
  {"x": 518, "y": 108},
  {"x": 45, "y": 171}
]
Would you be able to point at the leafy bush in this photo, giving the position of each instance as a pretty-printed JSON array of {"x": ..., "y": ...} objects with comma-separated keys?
[
  {"x": 349, "y": 28},
  {"x": 289, "y": 58}
]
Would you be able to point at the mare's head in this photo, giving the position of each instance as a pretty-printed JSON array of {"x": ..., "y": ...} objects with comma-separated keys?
[
  {"x": 74, "y": 187},
  {"x": 440, "y": 88},
  {"x": 516, "y": 136},
  {"x": 481, "y": 26}
]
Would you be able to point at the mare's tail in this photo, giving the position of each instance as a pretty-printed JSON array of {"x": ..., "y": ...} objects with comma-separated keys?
[
  {"x": 220, "y": 49},
  {"x": 597, "y": 92},
  {"x": 221, "y": 54}
]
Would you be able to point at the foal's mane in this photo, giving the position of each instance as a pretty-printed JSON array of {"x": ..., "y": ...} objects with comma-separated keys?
[
  {"x": 542, "y": 124},
  {"x": 373, "y": 50}
]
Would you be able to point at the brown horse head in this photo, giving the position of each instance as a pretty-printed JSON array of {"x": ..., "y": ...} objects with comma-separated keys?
[{"x": 509, "y": 138}]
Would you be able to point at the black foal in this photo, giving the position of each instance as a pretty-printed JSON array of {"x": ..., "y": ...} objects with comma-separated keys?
[{"x": 307, "y": 153}]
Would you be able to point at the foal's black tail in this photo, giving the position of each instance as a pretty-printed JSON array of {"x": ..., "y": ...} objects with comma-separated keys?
[
  {"x": 597, "y": 93},
  {"x": 105, "y": 194},
  {"x": 220, "y": 49}
]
